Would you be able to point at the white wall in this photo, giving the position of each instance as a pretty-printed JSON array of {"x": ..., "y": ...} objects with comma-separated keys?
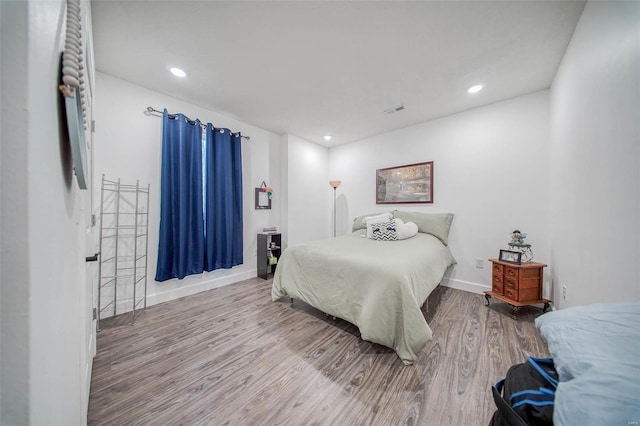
[
  {"x": 308, "y": 191},
  {"x": 491, "y": 169},
  {"x": 595, "y": 133},
  {"x": 14, "y": 299},
  {"x": 284, "y": 190},
  {"x": 43, "y": 228},
  {"x": 128, "y": 146}
]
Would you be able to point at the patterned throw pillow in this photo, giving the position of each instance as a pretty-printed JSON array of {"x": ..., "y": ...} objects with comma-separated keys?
[
  {"x": 384, "y": 231},
  {"x": 370, "y": 220}
]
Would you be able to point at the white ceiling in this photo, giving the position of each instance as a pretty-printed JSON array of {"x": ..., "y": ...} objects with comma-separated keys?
[{"x": 312, "y": 68}]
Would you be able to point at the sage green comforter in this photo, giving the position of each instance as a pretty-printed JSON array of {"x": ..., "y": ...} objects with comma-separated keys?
[{"x": 377, "y": 285}]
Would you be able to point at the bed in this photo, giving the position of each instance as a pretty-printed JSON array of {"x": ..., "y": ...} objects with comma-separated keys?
[
  {"x": 596, "y": 351},
  {"x": 379, "y": 286}
]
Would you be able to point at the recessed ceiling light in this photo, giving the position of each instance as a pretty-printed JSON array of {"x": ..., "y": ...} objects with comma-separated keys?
[
  {"x": 327, "y": 138},
  {"x": 178, "y": 72},
  {"x": 475, "y": 89}
]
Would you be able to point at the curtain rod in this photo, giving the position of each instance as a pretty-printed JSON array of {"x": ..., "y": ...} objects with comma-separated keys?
[{"x": 151, "y": 110}]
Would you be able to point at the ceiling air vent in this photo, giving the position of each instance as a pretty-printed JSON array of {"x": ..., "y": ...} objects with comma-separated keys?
[{"x": 394, "y": 109}]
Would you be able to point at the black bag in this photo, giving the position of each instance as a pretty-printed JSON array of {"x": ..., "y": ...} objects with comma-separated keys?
[{"x": 525, "y": 396}]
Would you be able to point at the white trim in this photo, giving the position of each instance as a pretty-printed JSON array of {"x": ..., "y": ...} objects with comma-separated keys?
[
  {"x": 464, "y": 285},
  {"x": 477, "y": 288},
  {"x": 124, "y": 305},
  {"x": 154, "y": 299}
]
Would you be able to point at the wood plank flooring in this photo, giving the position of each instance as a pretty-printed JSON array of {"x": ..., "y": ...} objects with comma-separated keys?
[{"x": 231, "y": 356}]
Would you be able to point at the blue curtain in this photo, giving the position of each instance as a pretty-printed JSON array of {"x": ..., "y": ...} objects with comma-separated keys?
[
  {"x": 223, "y": 195},
  {"x": 181, "y": 241}
]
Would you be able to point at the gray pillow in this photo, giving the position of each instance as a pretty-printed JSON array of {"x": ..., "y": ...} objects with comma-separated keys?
[
  {"x": 436, "y": 224},
  {"x": 359, "y": 223}
]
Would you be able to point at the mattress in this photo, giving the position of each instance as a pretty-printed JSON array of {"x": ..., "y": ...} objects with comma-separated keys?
[{"x": 596, "y": 351}]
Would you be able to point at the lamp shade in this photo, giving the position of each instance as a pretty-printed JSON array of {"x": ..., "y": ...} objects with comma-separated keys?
[{"x": 335, "y": 183}]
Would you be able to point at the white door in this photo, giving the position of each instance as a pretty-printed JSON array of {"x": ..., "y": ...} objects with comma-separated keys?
[{"x": 88, "y": 295}]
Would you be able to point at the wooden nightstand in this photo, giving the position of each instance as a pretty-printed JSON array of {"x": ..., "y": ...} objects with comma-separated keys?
[{"x": 517, "y": 285}]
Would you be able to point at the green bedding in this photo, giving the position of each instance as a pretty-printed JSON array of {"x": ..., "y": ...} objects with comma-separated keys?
[{"x": 377, "y": 285}]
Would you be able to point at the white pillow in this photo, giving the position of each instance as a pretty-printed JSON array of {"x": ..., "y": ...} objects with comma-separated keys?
[
  {"x": 405, "y": 230},
  {"x": 369, "y": 220},
  {"x": 387, "y": 216}
]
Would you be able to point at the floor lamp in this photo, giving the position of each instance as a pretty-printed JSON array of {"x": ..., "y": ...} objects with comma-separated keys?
[{"x": 334, "y": 184}]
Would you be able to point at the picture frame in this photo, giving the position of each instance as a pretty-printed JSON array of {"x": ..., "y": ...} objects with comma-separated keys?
[
  {"x": 263, "y": 202},
  {"x": 408, "y": 184},
  {"x": 510, "y": 256}
]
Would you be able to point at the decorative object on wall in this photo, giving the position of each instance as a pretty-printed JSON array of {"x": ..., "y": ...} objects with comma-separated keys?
[
  {"x": 334, "y": 184},
  {"x": 510, "y": 256},
  {"x": 517, "y": 244},
  {"x": 410, "y": 184},
  {"x": 73, "y": 89},
  {"x": 263, "y": 197}
]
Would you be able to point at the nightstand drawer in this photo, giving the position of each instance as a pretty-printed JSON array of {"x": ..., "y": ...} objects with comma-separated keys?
[
  {"x": 498, "y": 288},
  {"x": 497, "y": 269},
  {"x": 497, "y": 278},
  {"x": 511, "y": 293},
  {"x": 511, "y": 283},
  {"x": 511, "y": 272}
]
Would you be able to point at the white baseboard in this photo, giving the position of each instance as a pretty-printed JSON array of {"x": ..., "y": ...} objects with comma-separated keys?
[
  {"x": 465, "y": 285},
  {"x": 125, "y": 305},
  {"x": 176, "y": 293}
]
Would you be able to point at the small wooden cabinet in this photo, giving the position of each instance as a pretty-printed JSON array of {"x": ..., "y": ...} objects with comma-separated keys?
[
  {"x": 517, "y": 285},
  {"x": 268, "y": 245}
]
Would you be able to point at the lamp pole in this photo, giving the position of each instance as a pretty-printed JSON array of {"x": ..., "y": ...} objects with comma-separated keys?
[
  {"x": 334, "y": 212},
  {"x": 334, "y": 184}
]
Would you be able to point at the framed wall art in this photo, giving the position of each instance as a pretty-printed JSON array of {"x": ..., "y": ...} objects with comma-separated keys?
[
  {"x": 263, "y": 202},
  {"x": 263, "y": 197},
  {"x": 408, "y": 184}
]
